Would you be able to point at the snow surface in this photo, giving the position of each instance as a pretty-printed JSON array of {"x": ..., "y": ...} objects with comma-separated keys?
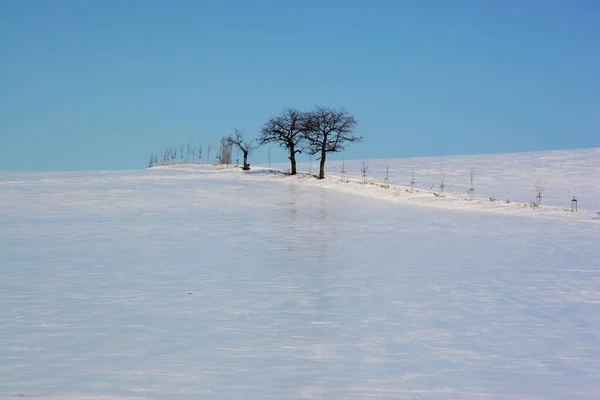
[
  {"x": 212, "y": 283},
  {"x": 503, "y": 177}
]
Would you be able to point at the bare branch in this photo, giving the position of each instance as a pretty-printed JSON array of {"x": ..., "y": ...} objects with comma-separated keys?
[
  {"x": 288, "y": 130},
  {"x": 328, "y": 131}
]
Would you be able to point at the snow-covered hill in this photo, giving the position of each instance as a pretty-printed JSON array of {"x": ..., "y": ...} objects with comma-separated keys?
[
  {"x": 192, "y": 282},
  {"x": 511, "y": 176}
]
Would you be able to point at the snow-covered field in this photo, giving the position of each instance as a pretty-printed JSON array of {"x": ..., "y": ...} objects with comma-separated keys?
[
  {"x": 502, "y": 177},
  {"x": 209, "y": 283}
]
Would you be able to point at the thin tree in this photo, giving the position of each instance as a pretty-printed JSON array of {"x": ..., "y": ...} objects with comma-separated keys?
[
  {"x": 208, "y": 149},
  {"x": 364, "y": 169},
  {"x": 225, "y": 151},
  {"x": 181, "y": 154},
  {"x": 442, "y": 187},
  {"x": 200, "y": 150},
  {"x": 539, "y": 189},
  {"x": 329, "y": 129},
  {"x": 472, "y": 189},
  {"x": 412, "y": 182},
  {"x": 387, "y": 177},
  {"x": 288, "y": 130},
  {"x": 244, "y": 146}
]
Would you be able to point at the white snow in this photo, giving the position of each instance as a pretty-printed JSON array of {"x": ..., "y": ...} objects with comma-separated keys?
[{"x": 203, "y": 282}]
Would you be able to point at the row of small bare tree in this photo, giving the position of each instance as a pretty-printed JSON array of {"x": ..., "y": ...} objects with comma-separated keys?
[
  {"x": 187, "y": 154},
  {"x": 318, "y": 132}
]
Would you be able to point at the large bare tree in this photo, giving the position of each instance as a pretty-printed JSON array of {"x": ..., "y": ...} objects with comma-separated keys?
[
  {"x": 329, "y": 130},
  {"x": 237, "y": 139},
  {"x": 288, "y": 130}
]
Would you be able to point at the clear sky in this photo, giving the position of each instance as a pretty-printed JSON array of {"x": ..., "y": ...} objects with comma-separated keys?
[{"x": 101, "y": 84}]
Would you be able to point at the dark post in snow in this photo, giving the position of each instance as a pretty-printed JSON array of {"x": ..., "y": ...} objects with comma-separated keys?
[
  {"x": 343, "y": 169},
  {"x": 329, "y": 130},
  {"x": 412, "y": 182}
]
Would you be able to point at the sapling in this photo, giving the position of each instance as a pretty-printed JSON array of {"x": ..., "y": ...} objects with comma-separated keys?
[
  {"x": 472, "y": 189},
  {"x": 442, "y": 187},
  {"x": 364, "y": 169},
  {"x": 387, "y": 177},
  {"x": 574, "y": 202},
  {"x": 539, "y": 188}
]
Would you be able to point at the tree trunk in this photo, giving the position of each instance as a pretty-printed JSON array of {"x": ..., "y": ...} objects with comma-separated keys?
[
  {"x": 322, "y": 167},
  {"x": 293, "y": 159},
  {"x": 246, "y": 161}
]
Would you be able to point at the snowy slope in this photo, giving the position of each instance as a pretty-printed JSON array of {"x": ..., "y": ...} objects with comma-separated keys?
[
  {"x": 188, "y": 283},
  {"x": 501, "y": 176}
]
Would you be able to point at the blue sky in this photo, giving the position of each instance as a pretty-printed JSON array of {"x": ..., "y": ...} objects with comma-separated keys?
[{"x": 101, "y": 84}]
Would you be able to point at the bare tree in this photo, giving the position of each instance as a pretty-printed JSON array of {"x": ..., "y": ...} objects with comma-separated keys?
[
  {"x": 472, "y": 189},
  {"x": 442, "y": 187},
  {"x": 364, "y": 169},
  {"x": 224, "y": 155},
  {"x": 288, "y": 130},
  {"x": 244, "y": 146},
  {"x": 539, "y": 189},
  {"x": 200, "y": 150},
  {"x": 208, "y": 149},
  {"x": 387, "y": 177},
  {"x": 328, "y": 131},
  {"x": 412, "y": 182},
  {"x": 181, "y": 154}
]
